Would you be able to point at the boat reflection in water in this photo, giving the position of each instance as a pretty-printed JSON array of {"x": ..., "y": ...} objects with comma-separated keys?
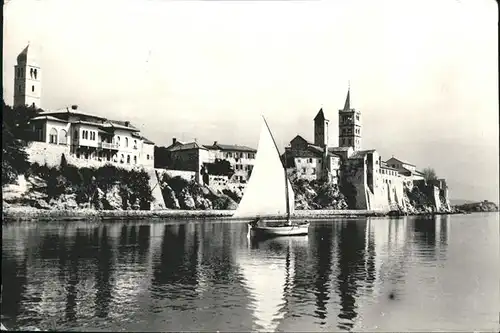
[{"x": 268, "y": 267}]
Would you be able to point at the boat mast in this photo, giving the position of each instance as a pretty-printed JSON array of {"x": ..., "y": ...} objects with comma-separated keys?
[{"x": 284, "y": 170}]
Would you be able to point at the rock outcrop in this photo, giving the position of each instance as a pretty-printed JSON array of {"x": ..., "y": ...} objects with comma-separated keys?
[{"x": 483, "y": 206}]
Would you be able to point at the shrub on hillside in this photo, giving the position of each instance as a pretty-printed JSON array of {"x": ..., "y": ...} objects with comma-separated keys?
[
  {"x": 86, "y": 182},
  {"x": 16, "y": 135},
  {"x": 233, "y": 195}
]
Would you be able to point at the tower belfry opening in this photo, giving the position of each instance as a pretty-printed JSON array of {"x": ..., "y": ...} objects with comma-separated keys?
[
  {"x": 27, "y": 79},
  {"x": 349, "y": 125}
]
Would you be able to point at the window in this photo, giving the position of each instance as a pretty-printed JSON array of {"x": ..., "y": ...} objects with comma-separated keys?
[
  {"x": 118, "y": 141},
  {"x": 32, "y": 88},
  {"x": 147, "y": 156},
  {"x": 31, "y": 72},
  {"x": 128, "y": 158},
  {"x": 350, "y": 141},
  {"x": 53, "y": 136},
  {"x": 135, "y": 159},
  {"x": 34, "y": 72},
  {"x": 63, "y": 137},
  {"x": 135, "y": 144},
  {"x": 126, "y": 142},
  {"x": 357, "y": 117},
  {"x": 310, "y": 160},
  {"x": 122, "y": 158},
  {"x": 313, "y": 170}
]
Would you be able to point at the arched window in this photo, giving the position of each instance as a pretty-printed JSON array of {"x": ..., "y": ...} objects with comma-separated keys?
[
  {"x": 122, "y": 159},
  {"x": 31, "y": 72},
  {"x": 34, "y": 72},
  {"x": 126, "y": 142},
  {"x": 53, "y": 136},
  {"x": 118, "y": 141},
  {"x": 128, "y": 159},
  {"x": 135, "y": 159},
  {"x": 135, "y": 144},
  {"x": 63, "y": 137}
]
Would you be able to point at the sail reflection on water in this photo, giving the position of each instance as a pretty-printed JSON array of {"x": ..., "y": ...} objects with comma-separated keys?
[{"x": 268, "y": 269}]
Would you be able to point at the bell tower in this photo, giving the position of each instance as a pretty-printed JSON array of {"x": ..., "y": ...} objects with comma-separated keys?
[
  {"x": 321, "y": 129},
  {"x": 27, "y": 79},
  {"x": 349, "y": 125}
]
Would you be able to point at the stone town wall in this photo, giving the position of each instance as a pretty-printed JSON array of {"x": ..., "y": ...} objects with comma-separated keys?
[
  {"x": 221, "y": 183},
  {"x": 46, "y": 153},
  {"x": 354, "y": 173},
  {"x": 435, "y": 198},
  {"x": 386, "y": 197}
]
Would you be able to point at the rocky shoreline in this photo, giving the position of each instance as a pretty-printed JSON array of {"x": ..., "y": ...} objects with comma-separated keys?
[{"x": 13, "y": 214}]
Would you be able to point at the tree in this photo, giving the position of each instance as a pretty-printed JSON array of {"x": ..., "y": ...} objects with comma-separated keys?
[
  {"x": 16, "y": 135},
  {"x": 429, "y": 174},
  {"x": 220, "y": 168}
]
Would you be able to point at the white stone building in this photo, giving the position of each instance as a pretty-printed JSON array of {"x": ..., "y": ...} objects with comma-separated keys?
[{"x": 84, "y": 139}]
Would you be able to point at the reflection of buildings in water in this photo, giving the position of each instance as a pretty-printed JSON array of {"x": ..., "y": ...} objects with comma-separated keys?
[
  {"x": 176, "y": 264},
  {"x": 321, "y": 244},
  {"x": 442, "y": 234},
  {"x": 351, "y": 271},
  {"x": 14, "y": 282},
  {"x": 431, "y": 237},
  {"x": 130, "y": 280},
  {"x": 390, "y": 243}
]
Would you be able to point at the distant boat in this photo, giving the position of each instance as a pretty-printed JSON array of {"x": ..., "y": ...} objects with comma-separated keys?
[{"x": 269, "y": 199}]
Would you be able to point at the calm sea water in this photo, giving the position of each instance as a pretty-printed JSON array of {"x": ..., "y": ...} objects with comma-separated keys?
[{"x": 375, "y": 274}]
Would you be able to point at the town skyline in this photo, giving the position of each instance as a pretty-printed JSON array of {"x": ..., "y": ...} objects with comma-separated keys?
[{"x": 432, "y": 103}]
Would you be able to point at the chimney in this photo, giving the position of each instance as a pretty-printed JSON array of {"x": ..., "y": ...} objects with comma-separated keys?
[
  {"x": 215, "y": 143},
  {"x": 127, "y": 123},
  {"x": 74, "y": 107},
  {"x": 174, "y": 141}
]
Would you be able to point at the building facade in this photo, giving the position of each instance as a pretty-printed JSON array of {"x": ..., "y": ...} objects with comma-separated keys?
[
  {"x": 89, "y": 139},
  {"x": 195, "y": 157},
  {"x": 85, "y": 139}
]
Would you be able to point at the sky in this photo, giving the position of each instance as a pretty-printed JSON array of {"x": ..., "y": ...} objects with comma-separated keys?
[{"x": 424, "y": 73}]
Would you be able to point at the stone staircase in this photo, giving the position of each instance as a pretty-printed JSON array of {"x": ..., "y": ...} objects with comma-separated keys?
[{"x": 158, "y": 202}]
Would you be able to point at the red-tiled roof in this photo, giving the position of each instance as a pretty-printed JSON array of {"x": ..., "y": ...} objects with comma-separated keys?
[
  {"x": 49, "y": 118},
  {"x": 186, "y": 146},
  {"x": 361, "y": 154},
  {"x": 219, "y": 146},
  {"x": 398, "y": 160}
]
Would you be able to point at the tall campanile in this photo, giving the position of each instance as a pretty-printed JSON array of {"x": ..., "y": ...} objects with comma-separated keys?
[
  {"x": 349, "y": 125},
  {"x": 27, "y": 79}
]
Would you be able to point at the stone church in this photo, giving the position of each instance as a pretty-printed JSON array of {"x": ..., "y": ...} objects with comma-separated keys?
[{"x": 378, "y": 184}]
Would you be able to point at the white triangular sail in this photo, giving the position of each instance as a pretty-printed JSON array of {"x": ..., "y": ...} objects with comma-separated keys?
[{"x": 265, "y": 194}]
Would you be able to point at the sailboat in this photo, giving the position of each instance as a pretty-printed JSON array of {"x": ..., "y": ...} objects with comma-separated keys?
[{"x": 269, "y": 199}]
